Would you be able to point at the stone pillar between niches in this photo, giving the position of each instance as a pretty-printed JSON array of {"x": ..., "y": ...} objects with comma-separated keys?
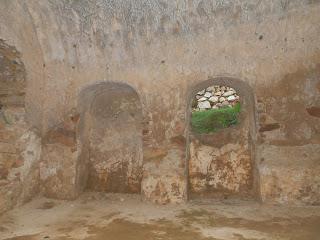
[
  {"x": 164, "y": 175},
  {"x": 59, "y": 161},
  {"x": 164, "y": 167}
]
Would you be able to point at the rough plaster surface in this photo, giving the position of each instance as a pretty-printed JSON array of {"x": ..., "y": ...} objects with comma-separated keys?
[
  {"x": 115, "y": 137},
  {"x": 224, "y": 170},
  {"x": 293, "y": 181},
  {"x": 58, "y": 167},
  {"x": 20, "y": 144},
  {"x": 163, "y": 177},
  {"x": 20, "y": 150},
  {"x": 288, "y": 154},
  {"x": 12, "y": 76},
  {"x": 162, "y": 49}
]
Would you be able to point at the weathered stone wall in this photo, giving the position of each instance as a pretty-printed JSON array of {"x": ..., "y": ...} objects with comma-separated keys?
[
  {"x": 163, "y": 49},
  {"x": 19, "y": 32},
  {"x": 215, "y": 97},
  {"x": 98, "y": 147},
  {"x": 222, "y": 164},
  {"x": 289, "y": 138},
  {"x": 20, "y": 145},
  {"x": 115, "y": 140},
  {"x": 59, "y": 161},
  {"x": 12, "y": 76},
  {"x": 20, "y": 151}
]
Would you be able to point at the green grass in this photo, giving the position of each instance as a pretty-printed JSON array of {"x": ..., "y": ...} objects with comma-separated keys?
[{"x": 215, "y": 119}]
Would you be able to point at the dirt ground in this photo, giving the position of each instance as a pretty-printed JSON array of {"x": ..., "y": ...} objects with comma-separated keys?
[{"x": 100, "y": 216}]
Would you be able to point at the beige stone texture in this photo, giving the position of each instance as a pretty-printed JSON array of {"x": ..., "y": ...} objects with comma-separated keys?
[
  {"x": 163, "y": 50},
  {"x": 20, "y": 151}
]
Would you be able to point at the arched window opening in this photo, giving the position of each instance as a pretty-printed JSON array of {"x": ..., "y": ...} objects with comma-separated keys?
[
  {"x": 214, "y": 108},
  {"x": 220, "y": 162}
]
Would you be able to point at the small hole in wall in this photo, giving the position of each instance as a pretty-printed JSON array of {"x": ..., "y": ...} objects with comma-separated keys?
[{"x": 214, "y": 108}]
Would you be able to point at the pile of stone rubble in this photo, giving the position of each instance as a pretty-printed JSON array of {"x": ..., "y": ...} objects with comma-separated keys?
[{"x": 215, "y": 97}]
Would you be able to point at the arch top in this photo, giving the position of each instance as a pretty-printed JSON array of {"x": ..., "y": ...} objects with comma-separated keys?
[
  {"x": 242, "y": 87},
  {"x": 89, "y": 92},
  {"x": 102, "y": 86}
]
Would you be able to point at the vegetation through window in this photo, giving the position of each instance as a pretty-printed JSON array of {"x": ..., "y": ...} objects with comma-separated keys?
[{"x": 215, "y": 108}]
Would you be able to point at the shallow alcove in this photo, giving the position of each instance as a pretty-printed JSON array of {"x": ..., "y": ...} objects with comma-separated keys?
[
  {"x": 111, "y": 139},
  {"x": 221, "y": 137}
]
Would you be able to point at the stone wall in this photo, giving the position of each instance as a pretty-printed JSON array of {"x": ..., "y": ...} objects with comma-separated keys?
[
  {"x": 163, "y": 49},
  {"x": 289, "y": 137},
  {"x": 221, "y": 164},
  {"x": 223, "y": 168},
  {"x": 59, "y": 161},
  {"x": 115, "y": 141},
  {"x": 12, "y": 76},
  {"x": 215, "y": 97},
  {"x": 20, "y": 145}
]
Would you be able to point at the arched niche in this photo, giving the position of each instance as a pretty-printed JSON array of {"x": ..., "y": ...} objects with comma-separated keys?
[
  {"x": 110, "y": 136},
  {"x": 222, "y": 164}
]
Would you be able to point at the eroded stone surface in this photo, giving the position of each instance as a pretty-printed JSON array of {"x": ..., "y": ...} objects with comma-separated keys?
[
  {"x": 288, "y": 154},
  {"x": 115, "y": 138},
  {"x": 20, "y": 150},
  {"x": 164, "y": 178},
  {"x": 58, "y": 167},
  {"x": 163, "y": 49},
  {"x": 20, "y": 144},
  {"x": 223, "y": 171},
  {"x": 289, "y": 174},
  {"x": 12, "y": 76}
]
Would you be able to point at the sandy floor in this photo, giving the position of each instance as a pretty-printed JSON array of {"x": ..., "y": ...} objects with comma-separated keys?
[{"x": 118, "y": 217}]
